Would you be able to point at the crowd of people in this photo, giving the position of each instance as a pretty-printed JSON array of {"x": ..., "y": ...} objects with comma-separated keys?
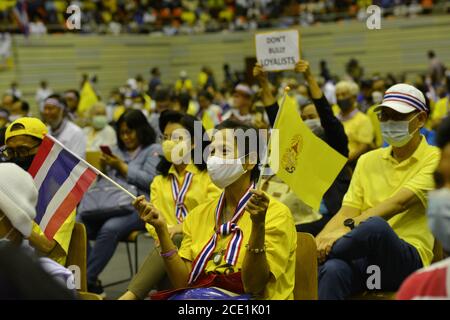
[
  {"x": 210, "y": 225},
  {"x": 193, "y": 16}
]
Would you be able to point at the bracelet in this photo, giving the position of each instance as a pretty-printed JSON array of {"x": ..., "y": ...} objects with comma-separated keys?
[
  {"x": 257, "y": 250},
  {"x": 168, "y": 254}
]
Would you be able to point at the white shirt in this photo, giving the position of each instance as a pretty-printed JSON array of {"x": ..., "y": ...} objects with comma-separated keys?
[
  {"x": 72, "y": 137},
  {"x": 41, "y": 95},
  {"x": 106, "y": 136}
]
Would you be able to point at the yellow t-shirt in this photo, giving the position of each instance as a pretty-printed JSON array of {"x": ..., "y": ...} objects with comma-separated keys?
[
  {"x": 378, "y": 176},
  {"x": 201, "y": 190},
  {"x": 280, "y": 240},
  {"x": 375, "y": 125},
  {"x": 358, "y": 130},
  {"x": 62, "y": 238},
  {"x": 441, "y": 109}
]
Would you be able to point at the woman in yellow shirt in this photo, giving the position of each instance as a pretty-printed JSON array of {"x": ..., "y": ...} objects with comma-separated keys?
[
  {"x": 181, "y": 186},
  {"x": 242, "y": 241}
]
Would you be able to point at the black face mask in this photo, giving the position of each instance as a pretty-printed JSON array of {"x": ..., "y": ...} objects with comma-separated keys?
[
  {"x": 345, "y": 104},
  {"x": 23, "y": 162}
]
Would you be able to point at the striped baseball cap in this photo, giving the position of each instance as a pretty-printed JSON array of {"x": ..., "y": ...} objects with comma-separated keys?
[{"x": 403, "y": 98}]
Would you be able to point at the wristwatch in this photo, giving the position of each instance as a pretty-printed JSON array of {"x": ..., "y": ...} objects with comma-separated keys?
[{"x": 349, "y": 223}]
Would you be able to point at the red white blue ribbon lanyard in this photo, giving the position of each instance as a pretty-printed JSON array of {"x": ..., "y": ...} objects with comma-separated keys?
[
  {"x": 230, "y": 227},
  {"x": 180, "y": 194}
]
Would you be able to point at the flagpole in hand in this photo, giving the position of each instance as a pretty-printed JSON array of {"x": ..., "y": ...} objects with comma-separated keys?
[
  {"x": 93, "y": 168},
  {"x": 266, "y": 154}
]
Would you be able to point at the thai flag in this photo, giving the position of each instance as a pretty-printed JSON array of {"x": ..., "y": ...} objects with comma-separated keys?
[{"x": 62, "y": 178}]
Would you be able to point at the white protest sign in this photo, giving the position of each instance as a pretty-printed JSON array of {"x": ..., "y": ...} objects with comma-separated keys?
[{"x": 278, "y": 50}]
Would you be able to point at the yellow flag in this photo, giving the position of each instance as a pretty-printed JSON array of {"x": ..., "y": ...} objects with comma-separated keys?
[
  {"x": 87, "y": 98},
  {"x": 301, "y": 159}
]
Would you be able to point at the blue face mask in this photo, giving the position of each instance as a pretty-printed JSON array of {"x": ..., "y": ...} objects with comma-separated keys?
[{"x": 439, "y": 215}]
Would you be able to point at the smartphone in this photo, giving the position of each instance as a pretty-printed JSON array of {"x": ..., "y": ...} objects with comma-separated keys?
[{"x": 106, "y": 150}]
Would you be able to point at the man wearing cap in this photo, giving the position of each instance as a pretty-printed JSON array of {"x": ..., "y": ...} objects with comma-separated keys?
[
  {"x": 380, "y": 234},
  {"x": 18, "y": 199},
  {"x": 23, "y": 138},
  {"x": 242, "y": 108},
  {"x": 54, "y": 114}
]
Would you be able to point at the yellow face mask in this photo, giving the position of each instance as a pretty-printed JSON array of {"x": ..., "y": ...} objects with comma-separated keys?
[{"x": 176, "y": 152}]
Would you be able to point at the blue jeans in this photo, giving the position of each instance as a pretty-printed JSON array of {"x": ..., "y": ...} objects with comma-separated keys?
[
  {"x": 373, "y": 242},
  {"x": 107, "y": 235}
]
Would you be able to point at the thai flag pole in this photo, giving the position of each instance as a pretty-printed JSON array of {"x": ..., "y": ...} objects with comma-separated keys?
[
  {"x": 266, "y": 154},
  {"x": 93, "y": 168}
]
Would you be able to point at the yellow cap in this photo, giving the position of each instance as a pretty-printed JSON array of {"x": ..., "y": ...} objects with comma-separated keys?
[{"x": 31, "y": 127}]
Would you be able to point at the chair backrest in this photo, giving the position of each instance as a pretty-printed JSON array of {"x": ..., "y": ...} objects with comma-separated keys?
[
  {"x": 306, "y": 269},
  {"x": 77, "y": 254}
]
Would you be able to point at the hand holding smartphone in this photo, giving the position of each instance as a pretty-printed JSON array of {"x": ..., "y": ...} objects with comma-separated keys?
[{"x": 106, "y": 150}]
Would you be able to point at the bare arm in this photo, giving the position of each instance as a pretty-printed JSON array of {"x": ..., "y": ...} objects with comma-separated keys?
[
  {"x": 267, "y": 97},
  {"x": 255, "y": 268},
  {"x": 398, "y": 203},
  {"x": 177, "y": 269}
]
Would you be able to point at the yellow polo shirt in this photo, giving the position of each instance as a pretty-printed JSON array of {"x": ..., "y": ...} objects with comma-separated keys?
[
  {"x": 359, "y": 130},
  {"x": 62, "y": 238},
  {"x": 280, "y": 240},
  {"x": 441, "y": 109},
  {"x": 201, "y": 190},
  {"x": 378, "y": 176},
  {"x": 375, "y": 125}
]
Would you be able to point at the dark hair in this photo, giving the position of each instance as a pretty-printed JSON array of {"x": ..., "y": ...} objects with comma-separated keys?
[
  {"x": 235, "y": 125},
  {"x": 75, "y": 92},
  {"x": 443, "y": 133},
  {"x": 13, "y": 96},
  {"x": 431, "y": 54},
  {"x": 188, "y": 122},
  {"x": 206, "y": 95},
  {"x": 162, "y": 94},
  {"x": 183, "y": 99},
  {"x": 136, "y": 120},
  {"x": 24, "y": 106},
  {"x": 59, "y": 98}
]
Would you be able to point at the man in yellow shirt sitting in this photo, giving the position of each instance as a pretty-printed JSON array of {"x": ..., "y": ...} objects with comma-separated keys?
[
  {"x": 243, "y": 238},
  {"x": 382, "y": 224},
  {"x": 357, "y": 125}
]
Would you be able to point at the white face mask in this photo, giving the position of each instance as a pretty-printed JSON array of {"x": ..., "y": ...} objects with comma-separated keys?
[
  {"x": 224, "y": 172},
  {"x": 396, "y": 133}
]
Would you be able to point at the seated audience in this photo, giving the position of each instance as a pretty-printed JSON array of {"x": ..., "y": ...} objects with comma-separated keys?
[
  {"x": 23, "y": 138},
  {"x": 133, "y": 163},
  {"x": 180, "y": 188},
  {"x": 382, "y": 221},
  {"x": 55, "y": 115},
  {"x": 261, "y": 261},
  {"x": 357, "y": 125},
  {"x": 99, "y": 132}
]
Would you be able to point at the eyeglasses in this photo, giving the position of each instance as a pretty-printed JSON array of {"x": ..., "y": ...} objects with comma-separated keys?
[
  {"x": 20, "y": 152},
  {"x": 395, "y": 116},
  {"x": 175, "y": 137}
]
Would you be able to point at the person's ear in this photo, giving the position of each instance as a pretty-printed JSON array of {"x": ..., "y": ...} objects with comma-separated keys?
[{"x": 422, "y": 119}]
